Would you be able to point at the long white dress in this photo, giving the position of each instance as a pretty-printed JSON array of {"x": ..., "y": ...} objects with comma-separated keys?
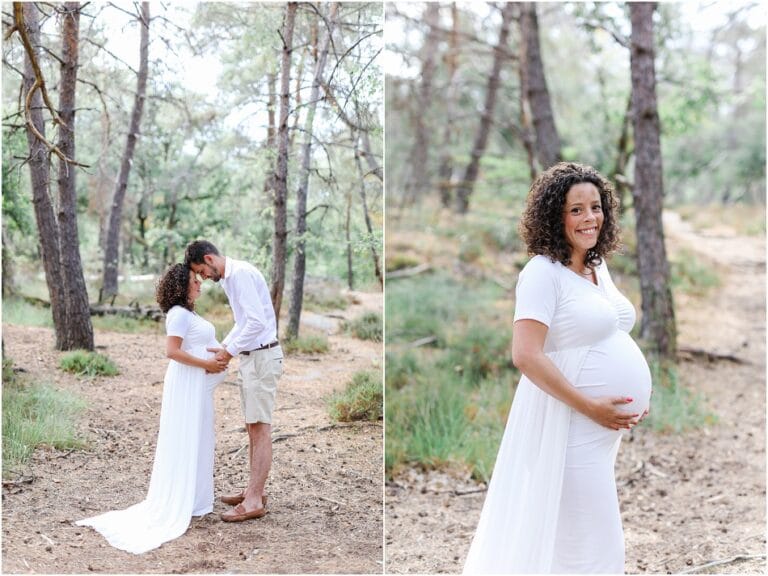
[
  {"x": 181, "y": 485},
  {"x": 551, "y": 505}
]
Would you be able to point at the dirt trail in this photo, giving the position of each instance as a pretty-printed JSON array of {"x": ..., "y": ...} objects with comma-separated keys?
[
  {"x": 686, "y": 499},
  {"x": 325, "y": 485}
]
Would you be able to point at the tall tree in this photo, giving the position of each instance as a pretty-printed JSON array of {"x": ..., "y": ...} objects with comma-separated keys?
[
  {"x": 535, "y": 88},
  {"x": 109, "y": 286},
  {"x": 467, "y": 183},
  {"x": 445, "y": 171},
  {"x": 69, "y": 299},
  {"x": 658, "y": 321},
  {"x": 366, "y": 213},
  {"x": 299, "y": 261},
  {"x": 280, "y": 236}
]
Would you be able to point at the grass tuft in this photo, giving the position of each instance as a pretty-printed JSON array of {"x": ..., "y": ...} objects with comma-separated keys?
[
  {"x": 35, "y": 415},
  {"x": 307, "y": 344},
  {"x": 84, "y": 363},
  {"x": 361, "y": 400},
  {"x": 675, "y": 408},
  {"x": 369, "y": 326}
]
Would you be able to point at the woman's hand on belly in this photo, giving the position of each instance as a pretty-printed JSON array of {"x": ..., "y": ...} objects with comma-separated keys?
[{"x": 606, "y": 411}]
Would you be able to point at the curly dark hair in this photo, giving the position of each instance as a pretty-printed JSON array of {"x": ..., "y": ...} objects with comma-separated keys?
[
  {"x": 542, "y": 223},
  {"x": 173, "y": 288},
  {"x": 196, "y": 251}
]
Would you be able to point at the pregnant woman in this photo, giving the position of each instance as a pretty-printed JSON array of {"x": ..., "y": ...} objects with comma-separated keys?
[
  {"x": 181, "y": 485},
  {"x": 551, "y": 505}
]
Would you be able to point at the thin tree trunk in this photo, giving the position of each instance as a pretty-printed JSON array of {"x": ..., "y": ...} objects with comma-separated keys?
[
  {"x": 547, "y": 139},
  {"x": 368, "y": 224},
  {"x": 299, "y": 260},
  {"x": 658, "y": 321},
  {"x": 279, "y": 239},
  {"x": 619, "y": 176},
  {"x": 348, "y": 237},
  {"x": 9, "y": 273},
  {"x": 445, "y": 171},
  {"x": 419, "y": 160},
  {"x": 467, "y": 184},
  {"x": 269, "y": 179},
  {"x": 79, "y": 331},
  {"x": 111, "y": 251},
  {"x": 48, "y": 230},
  {"x": 526, "y": 131}
]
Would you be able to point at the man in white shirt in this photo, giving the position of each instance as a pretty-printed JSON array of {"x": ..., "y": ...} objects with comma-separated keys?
[{"x": 254, "y": 339}]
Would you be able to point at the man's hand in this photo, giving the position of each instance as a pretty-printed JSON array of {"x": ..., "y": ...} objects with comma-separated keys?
[{"x": 221, "y": 355}]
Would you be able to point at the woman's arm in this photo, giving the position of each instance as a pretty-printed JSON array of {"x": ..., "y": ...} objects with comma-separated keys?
[
  {"x": 174, "y": 352},
  {"x": 528, "y": 355}
]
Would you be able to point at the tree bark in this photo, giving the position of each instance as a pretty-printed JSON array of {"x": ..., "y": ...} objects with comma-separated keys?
[
  {"x": 537, "y": 93},
  {"x": 47, "y": 226},
  {"x": 299, "y": 260},
  {"x": 79, "y": 330},
  {"x": 111, "y": 251},
  {"x": 445, "y": 170},
  {"x": 419, "y": 182},
  {"x": 658, "y": 318},
  {"x": 279, "y": 239},
  {"x": 467, "y": 183}
]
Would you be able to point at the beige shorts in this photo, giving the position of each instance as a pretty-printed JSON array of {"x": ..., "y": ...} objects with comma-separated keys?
[{"x": 259, "y": 373}]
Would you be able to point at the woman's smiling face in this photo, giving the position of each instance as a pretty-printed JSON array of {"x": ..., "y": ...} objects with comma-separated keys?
[{"x": 583, "y": 218}]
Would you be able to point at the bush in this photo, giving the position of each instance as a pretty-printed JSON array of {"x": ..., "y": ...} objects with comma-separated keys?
[
  {"x": 84, "y": 363},
  {"x": 402, "y": 368},
  {"x": 479, "y": 352},
  {"x": 361, "y": 400},
  {"x": 673, "y": 407},
  {"x": 307, "y": 344},
  {"x": 689, "y": 275},
  {"x": 35, "y": 415},
  {"x": 366, "y": 327}
]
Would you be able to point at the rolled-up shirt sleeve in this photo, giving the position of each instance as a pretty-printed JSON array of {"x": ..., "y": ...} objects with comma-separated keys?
[{"x": 252, "y": 322}]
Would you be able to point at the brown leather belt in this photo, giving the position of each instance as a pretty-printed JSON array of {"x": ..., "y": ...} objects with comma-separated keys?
[{"x": 265, "y": 347}]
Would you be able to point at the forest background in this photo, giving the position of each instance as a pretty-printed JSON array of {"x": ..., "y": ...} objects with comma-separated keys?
[{"x": 481, "y": 97}]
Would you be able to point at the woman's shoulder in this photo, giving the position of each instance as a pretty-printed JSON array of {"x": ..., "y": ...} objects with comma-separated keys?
[
  {"x": 541, "y": 269},
  {"x": 178, "y": 310}
]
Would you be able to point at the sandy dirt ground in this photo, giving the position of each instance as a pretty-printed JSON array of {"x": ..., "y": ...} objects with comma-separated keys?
[
  {"x": 686, "y": 499},
  {"x": 326, "y": 496}
]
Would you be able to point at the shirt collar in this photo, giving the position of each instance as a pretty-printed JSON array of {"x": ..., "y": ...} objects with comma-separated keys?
[{"x": 227, "y": 267}]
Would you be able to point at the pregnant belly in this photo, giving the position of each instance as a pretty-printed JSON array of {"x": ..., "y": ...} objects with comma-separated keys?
[{"x": 616, "y": 367}]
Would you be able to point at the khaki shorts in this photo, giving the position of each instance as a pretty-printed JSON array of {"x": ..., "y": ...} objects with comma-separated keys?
[{"x": 259, "y": 373}]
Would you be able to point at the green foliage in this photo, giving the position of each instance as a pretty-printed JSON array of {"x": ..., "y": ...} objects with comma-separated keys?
[
  {"x": 402, "y": 368},
  {"x": 369, "y": 326},
  {"x": 675, "y": 408},
  {"x": 123, "y": 324},
  {"x": 324, "y": 300},
  {"x": 478, "y": 352},
  {"x": 34, "y": 415},
  {"x": 400, "y": 261},
  {"x": 361, "y": 400},
  {"x": 84, "y": 363},
  {"x": 306, "y": 344},
  {"x": 19, "y": 311},
  {"x": 690, "y": 275}
]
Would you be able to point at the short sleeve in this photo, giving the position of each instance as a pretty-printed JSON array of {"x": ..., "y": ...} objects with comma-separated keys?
[
  {"x": 536, "y": 293},
  {"x": 177, "y": 321}
]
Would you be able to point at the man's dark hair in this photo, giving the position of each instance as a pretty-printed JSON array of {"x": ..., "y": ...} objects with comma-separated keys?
[{"x": 197, "y": 250}]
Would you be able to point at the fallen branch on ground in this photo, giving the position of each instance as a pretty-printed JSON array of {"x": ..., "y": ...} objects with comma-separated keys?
[
  {"x": 710, "y": 356},
  {"x": 138, "y": 312},
  {"x": 408, "y": 272},
  {"x": 723, "y": 562},
  {"x": 423, "y": 341}
]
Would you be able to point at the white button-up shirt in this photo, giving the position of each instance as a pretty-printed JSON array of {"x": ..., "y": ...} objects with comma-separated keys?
[{"x": 251, "y": 304}]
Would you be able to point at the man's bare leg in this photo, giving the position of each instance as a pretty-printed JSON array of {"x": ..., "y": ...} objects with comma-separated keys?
[{"x": 260, "y": 460}]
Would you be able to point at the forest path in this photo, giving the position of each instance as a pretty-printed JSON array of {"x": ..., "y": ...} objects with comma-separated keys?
[
  {"x": 686, "y": 499},
  {"x": 325, "y": 485}
]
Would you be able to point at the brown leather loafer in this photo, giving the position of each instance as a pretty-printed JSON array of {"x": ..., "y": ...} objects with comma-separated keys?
[
  {"x": 235, "y": 499},
  {"x": 240, "y": 514}
]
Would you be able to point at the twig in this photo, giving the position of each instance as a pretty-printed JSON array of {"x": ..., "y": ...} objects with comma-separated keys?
[
  {"x": 9, "y": 483},
  {"x": 710, "y": 356},
  {"x": 332, "y": 501},
  {"x": 470, "y": 491},
  {"x": 408, "y": 272},
  {"x": 423, "y": 341},
  {"x": 282, "y": 437},
  {"x": 722, "y": 562}
]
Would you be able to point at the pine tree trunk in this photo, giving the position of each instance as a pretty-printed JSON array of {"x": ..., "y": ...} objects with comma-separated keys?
[
  {"x": 111, "y": 250},
  {"x": 547, "y": 139},
  {"x": 79, "y": 330},
  {"x": 445, "y": 170},
  {"x": 45, "y": 216},
  {"x": 368, "y": 224},
  {"x": 299, "y": 261},
  {"x": 658, "y": 321},
  {"x": 467, "y": 183},
  {"x": 280, "y": 236}
]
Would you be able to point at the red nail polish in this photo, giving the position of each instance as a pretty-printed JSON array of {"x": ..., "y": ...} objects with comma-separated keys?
[{"x": 629, "y": 399}]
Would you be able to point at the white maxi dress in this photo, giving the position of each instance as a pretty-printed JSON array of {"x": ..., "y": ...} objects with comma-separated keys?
[
  {"x": 551, "y": 505},
  {"x": 181, "y": 485}
]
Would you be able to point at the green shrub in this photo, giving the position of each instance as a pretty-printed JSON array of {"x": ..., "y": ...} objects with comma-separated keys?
[
  {"x": 362, "y": 399},
  {"x": 402, "y": 368},
  {"x": 399, "y": 261},
  {"x": 675, "y": 408},
  {"x": 307, "y": 344},
  {"x": 689, "y": 275},
  {"x": 84, "y": 363},
  {"x": 21, "y": 312},
  {"x": 325, "y": 300},
  {"x": 35, "y": 415},
  {"x": 478, "y": 352},
  {"x": 369, "y": 326}
]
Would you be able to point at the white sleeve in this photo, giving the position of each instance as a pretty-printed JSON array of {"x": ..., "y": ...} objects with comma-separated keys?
[
  {"x": 536, "y": 293},
  {"x": 177, "y": 321}
]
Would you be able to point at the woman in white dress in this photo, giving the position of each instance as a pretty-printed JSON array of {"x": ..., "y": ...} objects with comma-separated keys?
[
  {"x": 551, "y": 505},
  {"x": 181, "y": 485}
]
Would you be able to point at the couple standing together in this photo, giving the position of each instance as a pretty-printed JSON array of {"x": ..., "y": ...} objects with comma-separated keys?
[{"x": 181, "y": 485}]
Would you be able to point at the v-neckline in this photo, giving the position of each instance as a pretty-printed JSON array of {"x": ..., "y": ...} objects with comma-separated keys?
[{"x": 597, "y": 283}]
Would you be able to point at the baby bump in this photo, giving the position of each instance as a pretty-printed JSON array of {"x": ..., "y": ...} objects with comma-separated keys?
[{"x": 616, "y": 367}]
